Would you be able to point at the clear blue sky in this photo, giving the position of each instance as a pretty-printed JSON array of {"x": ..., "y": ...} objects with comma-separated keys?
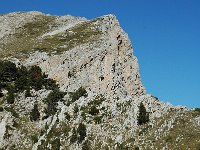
[{"x": 165, "y": 36}]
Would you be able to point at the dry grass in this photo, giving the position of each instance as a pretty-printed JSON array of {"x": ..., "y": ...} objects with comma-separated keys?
[
  {"x": 28, "y": 38},
  {"x": 184, "y": 134}
]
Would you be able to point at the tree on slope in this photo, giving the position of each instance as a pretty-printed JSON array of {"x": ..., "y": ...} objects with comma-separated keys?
[{"x": 143, "y": 116}]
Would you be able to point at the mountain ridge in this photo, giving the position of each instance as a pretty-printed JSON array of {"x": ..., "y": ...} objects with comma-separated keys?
[{"x": 93, "y": 56}]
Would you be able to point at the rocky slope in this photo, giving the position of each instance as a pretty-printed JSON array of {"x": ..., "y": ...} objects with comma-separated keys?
[{"x": 98, "y": 56}]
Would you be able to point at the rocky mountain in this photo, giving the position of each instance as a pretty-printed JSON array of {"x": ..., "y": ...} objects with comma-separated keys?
[{"x": 71, "y": 83}]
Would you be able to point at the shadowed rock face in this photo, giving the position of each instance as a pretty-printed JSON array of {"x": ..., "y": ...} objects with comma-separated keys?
[{"x": 97, "y": 56}]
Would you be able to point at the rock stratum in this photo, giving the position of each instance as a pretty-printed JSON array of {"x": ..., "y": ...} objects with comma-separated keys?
[{"x": 97, "y": 57}]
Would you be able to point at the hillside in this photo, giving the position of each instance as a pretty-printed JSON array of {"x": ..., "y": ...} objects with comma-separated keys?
[{"x": 71, "y": 83}]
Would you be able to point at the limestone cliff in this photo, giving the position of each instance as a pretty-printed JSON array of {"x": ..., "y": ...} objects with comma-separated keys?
[
  {"x": 97, "y": 55},
  {"x": 96, "y": 52}
]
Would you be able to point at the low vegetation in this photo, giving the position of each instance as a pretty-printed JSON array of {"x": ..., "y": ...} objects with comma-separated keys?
[
  {"x": 79, "y": 134},
  {"x": 22, "y": 79},
  {"x": 52, "y": 101},
  {"x": 18, "y": 79},
  {"x": 35, "y": 114},
  {"x": 28, "y": 37},
  {"x": 77, "y": 94}
]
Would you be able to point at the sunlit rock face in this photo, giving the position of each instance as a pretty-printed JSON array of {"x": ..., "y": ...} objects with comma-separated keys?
[{"x": 104, "y": 64}]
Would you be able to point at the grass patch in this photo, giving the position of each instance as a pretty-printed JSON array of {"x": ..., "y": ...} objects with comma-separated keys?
[{"x": 27, "y": 38}]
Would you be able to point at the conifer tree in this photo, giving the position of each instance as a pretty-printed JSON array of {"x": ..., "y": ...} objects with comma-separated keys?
[
  {"x": 82, "y": 132},
  {"x": 143, "y": 116},
  {"x": 35, "y": 114},
  {"x": 10, "y": 98}
]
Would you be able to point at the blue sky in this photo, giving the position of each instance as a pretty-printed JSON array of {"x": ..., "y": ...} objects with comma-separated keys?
[{"x": 165, "y": 35}]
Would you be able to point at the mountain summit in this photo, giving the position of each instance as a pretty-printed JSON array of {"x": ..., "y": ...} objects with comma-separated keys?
[{"x": 71, "y": 83}]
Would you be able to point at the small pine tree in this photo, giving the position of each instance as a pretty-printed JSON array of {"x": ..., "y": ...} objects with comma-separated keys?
[
  {"x": 1, "y": 94},
  {"x": 36, "y": 77},
  {"x": 28, "y": 93},
  {"x": 74, "y": 136},
  {"x": 77, "y": 94},
  {"x": 82, "y": 132},
  {"x": 21, "y": 83},
  {"x": 10, "y": 98},
  {"x": 143, "y": 116},
  {"x": 52, "y": 101},
  {"x": 93, "y": 111},
  {"x": 67, "y": 116},
  {"x": 76, "y": 109},
  {"x": 35, "y": 114},
  {"x": 8, "y": 71},
  {"x": 1, "y": 109}
]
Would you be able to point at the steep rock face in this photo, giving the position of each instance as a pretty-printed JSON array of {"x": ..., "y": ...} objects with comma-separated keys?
[
  {"x": 97, "y": 55},
  {"x": 105, "y": 65}
]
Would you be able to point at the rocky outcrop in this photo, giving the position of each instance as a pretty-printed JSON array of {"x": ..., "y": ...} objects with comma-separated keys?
[
  {"x": 104, "y": 63},
  {"x": 104, "y": 66},
  {"x": 98, "y": 56}
]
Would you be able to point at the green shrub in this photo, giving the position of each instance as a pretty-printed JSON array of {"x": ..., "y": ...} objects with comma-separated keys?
[
  {"x": 197, "y": 110},
  {"x": 13, "y": 112},
  {"x": 91, "y": 108},
  {"x": 13, "y": 147},
  {"x": 52, "y": 101},
  {"x": 22, "y": 71},
  {"x": 10, "y": 98},
  {"x": 76, "y": 109},
  {"x": 50, "y": 84},
  {"x": 97, "y": 101},
  {"x": 83, "y": 115},
  {"x": 1, "y": 94},
  {"x": 74, "y": 136},
  {"x": 35, "y": 77},
  {"x": 69, "y": 74},
  {"x": 81, "y": 132},
  {"x": 8, "y": 71},
  {"x": 97, "y": 119},
  {"x": 93, "y": 111},
  {"x": 56, "y": 144},
  {"x": 137, "y": 148},
  {"x": 28, "y": 93},
  {"x": 35, "y": 72},
  {"x": 143, "y": 116},
  {"x": 67, "y": 116},
  {"x": 19, "y": 79},
  {"x": 77, "y": 94},
  {"x": 35, "y": 114},
  {"x": 21, "y": 83},
  {"x": 15, "y": 124},
  {"x": 1, "y": 109},
  {"x": 122, "y": 146},
  {"x": 34, "y": 138}
]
